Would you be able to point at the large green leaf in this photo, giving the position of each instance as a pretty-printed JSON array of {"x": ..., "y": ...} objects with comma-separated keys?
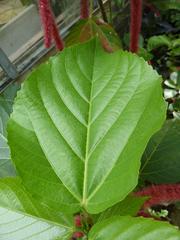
[
  {"x": 79, "y": 126},
  {"x": 23, "y": 218},
  {"x": 160, "y": 162},
  {"x": 126, "y": 228}
]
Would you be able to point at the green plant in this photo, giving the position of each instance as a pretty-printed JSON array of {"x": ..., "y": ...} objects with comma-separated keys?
[{"x": 78, "y": 130}]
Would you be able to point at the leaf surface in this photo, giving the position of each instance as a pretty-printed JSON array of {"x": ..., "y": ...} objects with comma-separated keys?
[
  {"x": 160, "y": 162},
  {"x": 129, "y": 206},
  {"x": 79, "y": 126},
  {"x": 86, "y": 29},
  {"x": 6, "y": 167},
  {"x": 126, "y": 228},
  {"x": 23, "y": 218},
  {"x": 6, "y": 102},
  {"x": 158, "y": 41}
]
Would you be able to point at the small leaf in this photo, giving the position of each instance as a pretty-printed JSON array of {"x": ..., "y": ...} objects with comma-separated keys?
[
  {"x": 79, "y": 126},
  {"x": 84, "y": 30},
  {"x": 3, "y": 121},
  {"x": 6, "y": 102},
  {"x": 129, "y": 206},
  {"x": 158, "y": 41},
  {"x": 126, "y": 228},
  {"x": 24, "y": 218},
  {"x": 167, "y": 4},
  {"x": 6, "y": 167},
  {"x": 7, "y": 97},
  {"x": 160, "y": 162}
]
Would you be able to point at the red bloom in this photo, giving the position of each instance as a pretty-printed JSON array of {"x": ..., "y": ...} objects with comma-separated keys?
[
  {"x": 84, "y": 9},
  {"x": 135, "y": 24},
  {"x": 77, "y": 220},
  {"x": 49, "y": 25},
  {"x": 160, "y": 194},
  {"x": 78, "y": 234}
]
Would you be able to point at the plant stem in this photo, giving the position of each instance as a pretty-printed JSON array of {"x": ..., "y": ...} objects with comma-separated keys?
[
  {"x": 103, "y": 12},
  {"x": 110, "y": 11},
  {"x": 91, "y": 8}
]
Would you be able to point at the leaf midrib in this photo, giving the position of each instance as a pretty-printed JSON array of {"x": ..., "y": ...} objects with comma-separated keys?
[{"x": 84, "y": 199}]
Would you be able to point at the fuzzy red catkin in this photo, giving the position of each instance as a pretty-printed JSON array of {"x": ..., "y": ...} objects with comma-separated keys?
[
  {"x": 159, "y": 194},
  {"x": 57, "y": 38},
  {"x": 49, "y": 25},
  {"x": 45, "y": 15},
  {"x": 84, "y": 9},
  {"x": 135, "y": 24},
  {"x": 78, "y": 235}
]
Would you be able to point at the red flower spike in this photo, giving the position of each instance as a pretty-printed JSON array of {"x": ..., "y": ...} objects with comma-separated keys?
[
  {"x": 135, "y": 24},
  {"x": 49, "y": 25},
  {"x": 78, "y": 234},
  {"x": 160, "y": 194},
  {"x": 143, "y": 214},
  {"x": 77, "y": 220},
  {"x": 84, "y": 9},
  {"x": 44, "y": 10},
  {"x": 57, "y": 38}
]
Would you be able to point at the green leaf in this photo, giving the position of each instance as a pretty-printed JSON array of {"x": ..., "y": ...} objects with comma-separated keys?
[
  {"x": 7, "y": 97},
  {"x": 6, "y": 167},
  {"x": 79, "y": 126},
  {"x": 84, "y": 30},
  {"x": 158, "y": 41},
  {"x": 142, "y": 52},
  {"x": 3, "y": 121},
  {"x": 24, "y": 218},
  {"x": 129, "y": 206},
  {"x": 166, "y": 4},
  {"x": 6, "y": 102},
  {"x": 126, "y": 228},
  {"x": 160, "y": 162}
]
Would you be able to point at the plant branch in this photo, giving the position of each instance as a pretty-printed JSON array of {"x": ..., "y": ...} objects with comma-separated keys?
[
  {"x": 103, "y": 12},
  {"x": 110, "y": 11}
]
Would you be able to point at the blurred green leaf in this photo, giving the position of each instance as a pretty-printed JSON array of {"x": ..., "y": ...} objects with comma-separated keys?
[
  {"x": 6, "y": 167},
  {"x": 87, "y": 29},
  {"x": 160, "y": 162},
  {"x": 166, "y": 4},
  {"x": 129, "y": 206},
  {"x": 6, "y": 102},
  {"x": 142, "y": 52},
  {"x": 158, "y": 41}
]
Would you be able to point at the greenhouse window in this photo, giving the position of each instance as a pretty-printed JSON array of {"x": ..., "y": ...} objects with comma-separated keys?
[{"x": 21, "y": 37}]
